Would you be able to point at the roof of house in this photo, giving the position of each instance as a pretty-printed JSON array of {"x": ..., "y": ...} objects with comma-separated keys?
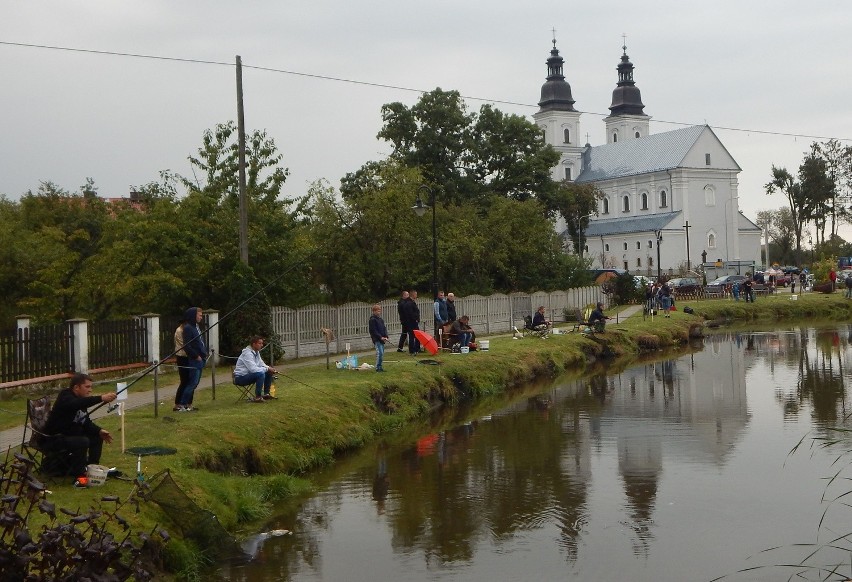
[
  {"x": 652, "y": 153},
  {"x": 611, "y": 226}
]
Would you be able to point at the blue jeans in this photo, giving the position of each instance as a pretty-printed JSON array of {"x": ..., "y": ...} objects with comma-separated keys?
[
  {"x": 193, "y": 378},
  {"x": 464, "y": 338},
  {"x": 262, "y": 381},
  {"x": 380, "y": 354}
]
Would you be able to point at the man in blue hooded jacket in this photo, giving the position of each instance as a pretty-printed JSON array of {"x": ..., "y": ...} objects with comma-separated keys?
[{"x": 196, "y": 355}]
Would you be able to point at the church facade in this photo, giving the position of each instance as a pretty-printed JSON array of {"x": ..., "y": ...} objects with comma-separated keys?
[{"x": 670, "y": 199}]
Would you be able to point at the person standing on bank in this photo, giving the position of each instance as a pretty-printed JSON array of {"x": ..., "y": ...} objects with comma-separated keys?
[
  {"x": 451, "y": 308},
  {"x": 400, "y": 308},
  {"x": 441, "y": 314},
  {"x": 69, "y": 428},
  {"x": 182, "y": 363},
  {"x": 251, "y": 368},
  {"x": 378, "y": 335},
  {"x": 409, "y": 316},
  {"x": 196, "y": 355},
  {"x": 414, "y": 319}
]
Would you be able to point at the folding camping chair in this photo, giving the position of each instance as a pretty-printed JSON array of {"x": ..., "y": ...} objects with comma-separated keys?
[
  {"x": 245, "y": 390},
  {"x": 48, "y": 462},
  {"x": 530, "y": 330}
]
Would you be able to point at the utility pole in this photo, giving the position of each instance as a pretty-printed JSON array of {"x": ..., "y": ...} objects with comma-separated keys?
[
  {"x": 688, "y": 264},
  {"x": 241, "y": 136}
]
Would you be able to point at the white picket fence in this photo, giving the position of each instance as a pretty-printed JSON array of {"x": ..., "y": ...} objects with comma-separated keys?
[{"x": 301, "y": 335}]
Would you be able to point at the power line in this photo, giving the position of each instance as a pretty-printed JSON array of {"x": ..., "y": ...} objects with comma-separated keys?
[{"x": 388, "y": 86}]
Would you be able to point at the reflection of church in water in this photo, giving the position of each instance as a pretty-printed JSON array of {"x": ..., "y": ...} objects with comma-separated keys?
[{"x": 692, "y": 409}]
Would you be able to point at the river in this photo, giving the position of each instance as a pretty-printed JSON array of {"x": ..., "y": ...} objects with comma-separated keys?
[{"x": 675, "y": 469}]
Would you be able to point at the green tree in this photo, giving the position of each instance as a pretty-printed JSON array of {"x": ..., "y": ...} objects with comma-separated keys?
[
  {"x": 248, "y": 312},
  {"x": 277, "y": 243},
  {"x": 469, "y": 157},
  {"x": 371, "y": 244},
  {"x": 67, "y": 230},
  {"x": 819, "y": 191},
  {"x": 779, "y": 226},
  {"x": 838, "y": 163},
  {"x": 575, "y": 203},
  {"x": 799, "y": 206}
]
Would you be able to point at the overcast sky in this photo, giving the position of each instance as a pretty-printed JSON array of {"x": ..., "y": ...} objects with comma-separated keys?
[{"x": 772, "y": 66}]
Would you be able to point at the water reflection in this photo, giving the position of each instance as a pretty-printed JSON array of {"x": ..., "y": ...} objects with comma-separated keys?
[{"x": 589, "y": 478}]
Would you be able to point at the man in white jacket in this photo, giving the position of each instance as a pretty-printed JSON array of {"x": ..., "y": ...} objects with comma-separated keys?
[{"x": 252, "y": 369}]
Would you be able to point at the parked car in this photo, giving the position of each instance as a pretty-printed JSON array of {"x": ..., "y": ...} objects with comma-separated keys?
[
  {"x": 684, "y": 285},
  {"x": 727, "y": 281}
]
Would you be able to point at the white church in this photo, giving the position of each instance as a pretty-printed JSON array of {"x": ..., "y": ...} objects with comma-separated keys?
[{"x": 664, "y": 193}]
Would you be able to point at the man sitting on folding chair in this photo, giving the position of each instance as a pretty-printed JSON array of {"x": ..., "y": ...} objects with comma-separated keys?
[
  {"x": 69, "y": 428},
  {"x": 251, "y": 369}
]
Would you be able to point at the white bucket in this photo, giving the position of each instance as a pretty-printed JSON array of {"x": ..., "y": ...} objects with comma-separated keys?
[
  {"x": 465, "y": 349},
  {"x": 97, "y": 475},
  {"x": 483, "y": 345}
]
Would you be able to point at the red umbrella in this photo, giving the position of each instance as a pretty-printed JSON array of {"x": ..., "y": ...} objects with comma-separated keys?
[{"x": 427, "y": 341}]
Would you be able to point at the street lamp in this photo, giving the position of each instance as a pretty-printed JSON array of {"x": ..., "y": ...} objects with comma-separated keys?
[
  {"x": 420, "y": 209},
  {"x": 659, "y": 234}
]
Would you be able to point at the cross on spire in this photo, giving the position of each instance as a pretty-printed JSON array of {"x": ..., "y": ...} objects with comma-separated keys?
[
  {"x": 554, "y": 37},
  {"x": 624, "y": 42}
]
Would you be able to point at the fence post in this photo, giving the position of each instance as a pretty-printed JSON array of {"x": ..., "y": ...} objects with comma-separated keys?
[
  {"x": 213, "y": 372},
  {"x": 156, "y": 388},
  {"x": 80, "y": 345},
  {"x": 213, "y": 331},
  {"x": 152, "y": 335}
]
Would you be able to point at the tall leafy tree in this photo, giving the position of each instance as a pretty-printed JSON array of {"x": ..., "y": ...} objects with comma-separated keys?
[
  {"x": 838, "y": 167},
  {"x": 469, "y": 156},
  {"x": 800, "y": 207},
  {"x": 818, "y": 191},
  {"x": 781, "y": 231},
  {"x": 576, "y": 204},
  {"x": 277, "y": 247}
]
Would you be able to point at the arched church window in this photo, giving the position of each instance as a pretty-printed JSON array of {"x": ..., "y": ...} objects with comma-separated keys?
[
  {"x": 567, "y": 135},
  {"x": 568, "y": 171},
  {"x": 664, "y": 202},
  {"x": 709, "y": 195},
  {"x": 625, "y": 204},
  {"x": 606, "y": 247},
  {"x": 614, "y": 137},
  {"x": 711, "y": 240},
  {"x": 644, "y": 201},
  {"x": 605, "y": 206},
  {"x": 636, "y": 134}
]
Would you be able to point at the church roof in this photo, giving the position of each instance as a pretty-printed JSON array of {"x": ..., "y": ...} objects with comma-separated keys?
[
  {"x": 633, "y": 224},
  {"x": 652, "y": 153}
]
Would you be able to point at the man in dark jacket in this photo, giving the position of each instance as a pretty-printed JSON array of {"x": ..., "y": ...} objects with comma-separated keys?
[
  {"x": 451, "y": 308},
  {"x": 196, "y": 354},
  {"x": 70, "y": 429},
  {"x": 401, "y": 310},
  {"x": 412, "y": 311},
  {"x": 378, "y": 335}
]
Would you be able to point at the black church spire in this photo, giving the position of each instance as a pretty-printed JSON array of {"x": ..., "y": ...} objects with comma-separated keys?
[
  {"x": 626, "y": 98},
  {"x": 556, "y": 92}
]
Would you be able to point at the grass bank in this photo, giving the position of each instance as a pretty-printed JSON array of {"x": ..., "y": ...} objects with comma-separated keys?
[{"x": 237, "y": 459}]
